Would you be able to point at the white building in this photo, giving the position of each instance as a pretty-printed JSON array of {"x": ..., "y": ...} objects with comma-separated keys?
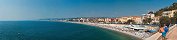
[
  {"x": 155, "y": 19},
  {"x": 100, "y": 19},
  {"x": 149, "y": 15},
  {"x": 82, "y": 20},
  {"x": 169, "y": 13},
  {"x": 137, "y": 19},
  {"x": 107, "y": 20}
]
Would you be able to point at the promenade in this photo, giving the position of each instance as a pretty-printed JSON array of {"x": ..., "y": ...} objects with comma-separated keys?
[{"x": 172, "y": 35}]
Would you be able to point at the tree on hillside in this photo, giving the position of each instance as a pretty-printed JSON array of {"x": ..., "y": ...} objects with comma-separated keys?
[
  {"x": 169, "y": 8},
  {"x": 174, "y": 19},
  {"x": 158, "y": 13},
  {"x": 151, "y": 12},
  {"x": 164, "y": 20}
]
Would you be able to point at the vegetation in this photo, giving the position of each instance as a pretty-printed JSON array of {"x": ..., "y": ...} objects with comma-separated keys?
[
  {"x": 130, "y": 22},
  {"x": 174, "y": 19},
  {"x": 147, "y": 21},
  {"x": 164, "y": 20},
  {"x": 172, "y": 7}
]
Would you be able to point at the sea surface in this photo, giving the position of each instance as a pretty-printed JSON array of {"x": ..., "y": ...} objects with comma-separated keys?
[{"x": 45, "y": 30}]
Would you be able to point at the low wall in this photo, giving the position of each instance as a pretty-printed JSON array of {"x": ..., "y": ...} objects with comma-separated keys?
[{"x": 157, "y": 35}]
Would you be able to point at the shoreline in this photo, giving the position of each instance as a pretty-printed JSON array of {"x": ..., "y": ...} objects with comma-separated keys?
[
  {"x": 135, "y": 34},
  {"x": 141, "y": 35},
  {"x": 126, "y": 33}
]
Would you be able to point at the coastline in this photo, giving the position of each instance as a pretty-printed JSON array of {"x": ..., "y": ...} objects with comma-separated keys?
[
  {"x": 101, "y": 26},
  {"x": 108, "y": 26}
]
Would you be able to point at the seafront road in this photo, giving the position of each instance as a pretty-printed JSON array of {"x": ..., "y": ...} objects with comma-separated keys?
[{"x": 172, "y": 35}]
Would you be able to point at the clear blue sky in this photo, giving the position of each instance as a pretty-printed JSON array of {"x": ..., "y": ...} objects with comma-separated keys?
[{"x": 38, "y": 9}]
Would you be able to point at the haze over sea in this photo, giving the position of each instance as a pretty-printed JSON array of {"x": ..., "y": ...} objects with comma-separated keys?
[{"x": 44, "y": 30}]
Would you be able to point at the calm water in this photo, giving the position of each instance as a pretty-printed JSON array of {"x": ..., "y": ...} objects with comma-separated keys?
[{"x": 42, "y": 30}]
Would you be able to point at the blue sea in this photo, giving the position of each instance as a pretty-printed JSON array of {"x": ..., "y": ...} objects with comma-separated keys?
[{"x": 45, "y": 30}]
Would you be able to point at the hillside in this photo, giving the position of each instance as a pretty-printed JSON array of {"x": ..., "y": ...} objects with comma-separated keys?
[{"x": 169, "y": 8}]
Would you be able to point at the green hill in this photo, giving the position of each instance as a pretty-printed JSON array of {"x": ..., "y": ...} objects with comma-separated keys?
[{"x": 169, "y": 8}]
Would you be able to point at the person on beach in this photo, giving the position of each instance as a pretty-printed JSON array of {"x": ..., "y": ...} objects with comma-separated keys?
[{"x": 161, "y": 30}]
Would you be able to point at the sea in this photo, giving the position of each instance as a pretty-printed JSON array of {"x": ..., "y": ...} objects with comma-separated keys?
[{"x": 47, "y": 30}]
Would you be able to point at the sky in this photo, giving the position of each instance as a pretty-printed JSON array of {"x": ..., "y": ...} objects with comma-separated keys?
[{"x": 40, "y": 9}]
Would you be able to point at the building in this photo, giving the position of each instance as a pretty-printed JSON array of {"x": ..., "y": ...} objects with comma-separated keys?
[
  {"x": 137, "y": 19},
  {"x": 108, "y": 20},
  {"x": 115, "y": 20},
  {"x": 169, "y": 13},
  {"x": 156, "y": 19},
  {"x": 93, "y": 20},
  {"x": 124, "y": 19},
  {"x": 80, "y": 20},
  {"x": 148, "y": 15},
  {"x": 101, "y": 20}
]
